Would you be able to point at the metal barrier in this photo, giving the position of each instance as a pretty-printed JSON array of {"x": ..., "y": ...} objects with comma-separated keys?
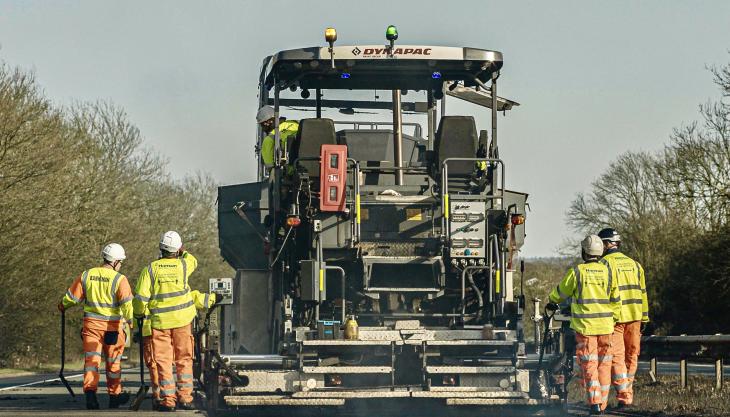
[{"x": 714, "y": 348}]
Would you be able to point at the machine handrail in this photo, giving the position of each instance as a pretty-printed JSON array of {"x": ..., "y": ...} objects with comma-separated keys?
[
  {"x": 418, "y": 132},
  {"x": 445, "y": 187},
  {"x": 378, "y": 169},
  {"x": 356, "y": 203}
]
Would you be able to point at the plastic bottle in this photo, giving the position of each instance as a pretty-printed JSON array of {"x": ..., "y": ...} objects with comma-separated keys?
[{"x": 352, "y": 331}]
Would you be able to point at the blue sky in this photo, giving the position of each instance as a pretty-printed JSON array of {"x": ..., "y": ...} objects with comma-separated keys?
[{"x": 595, "y": 79}]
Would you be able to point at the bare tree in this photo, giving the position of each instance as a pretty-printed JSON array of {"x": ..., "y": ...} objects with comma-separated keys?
[
  {"x": 74, "y": 179},
  {"x": 664, "y": 203}
]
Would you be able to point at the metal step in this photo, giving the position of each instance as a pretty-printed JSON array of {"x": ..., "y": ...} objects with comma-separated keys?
[
  {"x": 470, "y": 369},
  {"x": 279, "y": 400},
  {"x": 470, "y": 394},
  {"x": 346, "y": 342},
  {"x": 353, "y": 394},
  {"x": 499, "y": 401},
  {"x": 470, "y": 342},
  {"x": 347, "y": 369}
]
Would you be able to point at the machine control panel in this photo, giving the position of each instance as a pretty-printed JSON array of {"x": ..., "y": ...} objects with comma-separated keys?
[
  {"x": 468, "y": 226},
  {"x": 223, "y": 289}
]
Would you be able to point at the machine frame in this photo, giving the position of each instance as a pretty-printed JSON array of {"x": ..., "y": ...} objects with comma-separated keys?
[{"x": 421, "y": 252}]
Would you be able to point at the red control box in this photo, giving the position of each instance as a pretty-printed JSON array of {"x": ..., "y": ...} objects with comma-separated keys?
[{"x": 332, "y": 177}]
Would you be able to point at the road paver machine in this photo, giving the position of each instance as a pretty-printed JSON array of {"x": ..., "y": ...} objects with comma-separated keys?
[{"x": 376, "y": 259}]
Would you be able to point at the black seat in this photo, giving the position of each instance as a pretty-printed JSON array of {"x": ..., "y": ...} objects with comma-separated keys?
[
  {"x": 313, "y": 133},
  {"x": 456, "y": 137}
]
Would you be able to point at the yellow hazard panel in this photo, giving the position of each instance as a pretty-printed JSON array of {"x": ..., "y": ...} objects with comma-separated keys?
[
  {"x": 364, "y": 214},
  {"x": 414, "y": 214}
]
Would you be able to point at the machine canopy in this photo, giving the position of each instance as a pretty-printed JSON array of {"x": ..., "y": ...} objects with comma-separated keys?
[{"x": 373, "y": 67}]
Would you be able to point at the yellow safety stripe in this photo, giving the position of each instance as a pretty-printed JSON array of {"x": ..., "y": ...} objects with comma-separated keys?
[{"x": 357, "y": 207}]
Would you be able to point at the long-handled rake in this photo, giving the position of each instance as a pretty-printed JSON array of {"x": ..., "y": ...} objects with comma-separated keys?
[
  {"x": 142, "y": 393},
  {"x": 63, "y": 354}
]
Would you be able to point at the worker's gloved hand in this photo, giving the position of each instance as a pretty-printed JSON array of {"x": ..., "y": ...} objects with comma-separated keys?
[
  {"x": 61, "y": 308},
  {"x": 644, "y": 325},
  {"x": 552, "y": 307}
]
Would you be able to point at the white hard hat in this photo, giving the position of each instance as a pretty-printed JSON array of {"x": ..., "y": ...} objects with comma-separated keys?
[
  {"x": 265, "y": 113},
  {"x": 113, "y": 252},
  {"x": 170, "y": 241},
  {"x": 592, "y": 245}
]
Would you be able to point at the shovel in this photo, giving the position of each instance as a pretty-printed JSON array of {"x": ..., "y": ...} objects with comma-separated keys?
[
  {"x": 63, "y": 355},
  {"x": 142, "y": 393}
]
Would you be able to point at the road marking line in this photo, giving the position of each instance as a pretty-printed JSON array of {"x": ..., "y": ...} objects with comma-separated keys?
[{"x": 40, "y": 382}]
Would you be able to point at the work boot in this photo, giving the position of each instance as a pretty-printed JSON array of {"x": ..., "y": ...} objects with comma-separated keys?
[
  {"x": 116, "y": 400},
  {"x": 596, "y": 410},
  {"x": 186, "y": 406},
  {"x": 623, "y": 406},
  {"x": 165, "y": 408},
  {"x": 91, "y": 401},
  {"x": 155, "y": 405}
]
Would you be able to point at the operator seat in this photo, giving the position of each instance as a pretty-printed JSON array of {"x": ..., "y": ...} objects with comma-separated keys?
[
  {"x": 313, "y": 133},
  {"x": 456, "y": 137}
]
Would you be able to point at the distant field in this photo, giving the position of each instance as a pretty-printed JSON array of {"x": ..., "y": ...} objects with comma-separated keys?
[{"x": 666, "y": 398}]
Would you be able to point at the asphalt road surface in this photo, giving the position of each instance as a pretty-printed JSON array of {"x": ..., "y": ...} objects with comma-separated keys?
[{"x": 44, "y": 395}]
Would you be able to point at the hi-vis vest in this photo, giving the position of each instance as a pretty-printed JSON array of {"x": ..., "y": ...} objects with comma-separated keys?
[
  {"x": 105, "y": 293},
  {"x": 629, "y": 276},
  {"x": 595, "y": 301},
  {"x": 287, "y": 129},
  {"x": 163, "y": 289},
  {"x": 203, "y": 301}
]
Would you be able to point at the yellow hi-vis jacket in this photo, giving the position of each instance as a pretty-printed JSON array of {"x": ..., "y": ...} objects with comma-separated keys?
[
  {"x": 287, "y": 129},
  {"x": 595, "y": 303},
  {"x": 631, "y": 286},
  {"x": 162, "y": 288},
  {"x": 105, "y": 293},
  {"x": 203, "y": 301}
]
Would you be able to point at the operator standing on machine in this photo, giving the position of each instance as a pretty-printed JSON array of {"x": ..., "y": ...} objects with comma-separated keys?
[
  {"x": 287, "y": 129},
  {"x": 594, "y": 309}
]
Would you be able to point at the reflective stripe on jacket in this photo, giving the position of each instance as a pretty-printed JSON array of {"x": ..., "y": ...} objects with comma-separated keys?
[
  {"x": 104, "y": 292},
  {"x": 287, "y": 129},
  {"x": 202, "y": 301},
  {"x": 163, "y": 289},
  {"x": 595, "y": 303},
  {"x": 631, "y": 285}
]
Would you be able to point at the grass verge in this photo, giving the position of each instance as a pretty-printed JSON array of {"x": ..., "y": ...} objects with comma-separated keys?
[{"x": 666, "y": 398}]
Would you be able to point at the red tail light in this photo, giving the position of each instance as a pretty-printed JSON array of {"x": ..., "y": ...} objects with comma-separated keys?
[
  {"x": 293, "y": 221},
  {"x": 518, "y": 219}
]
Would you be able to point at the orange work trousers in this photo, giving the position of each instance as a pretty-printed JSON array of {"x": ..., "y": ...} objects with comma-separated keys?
[
  {"x": 149, "y": 360},
  {"x": 626, "y": 348},
  {"x": 168, "y": 346},
  {"x": 92, "y": 335},
  {"x": 593, "y": 354}
]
